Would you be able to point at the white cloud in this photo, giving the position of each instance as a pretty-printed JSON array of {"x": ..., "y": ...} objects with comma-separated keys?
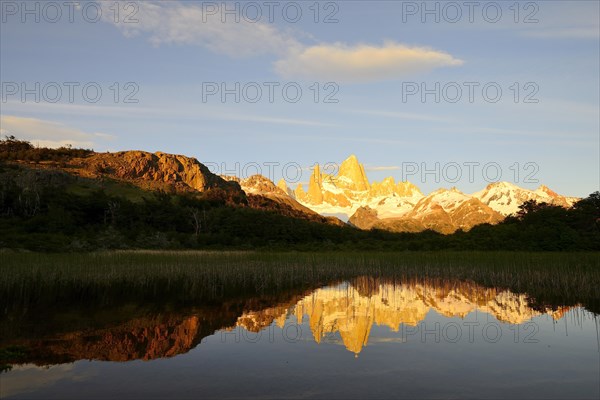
[
  {"x": 48, "y": 133},
  {"x": 186, "y": 111},
  {"x": 383, "y": 168},
  {"x": 175, "y": 23},
  {"x": 28, "y": 378},
  {"x": 362, "y": 63},
  {"x": 403, "y": 115},
  {"x": 589, "y": 32},
  {"x": 575, "y": 20},
  {"x": 185, "y": 24},
  {"x": 285, "y": 121}
]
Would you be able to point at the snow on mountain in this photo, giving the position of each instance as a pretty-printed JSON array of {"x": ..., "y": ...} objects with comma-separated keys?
[
  {"x": 401, "y": 206},
  {"x": 506, "y": 198},
  {"x": 448, "y": 200},
  {"x": 350, "y": 189},
  {"x": 446, "y": 211}
]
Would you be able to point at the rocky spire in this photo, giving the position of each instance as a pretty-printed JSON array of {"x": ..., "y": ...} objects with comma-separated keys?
[
  {"x": 315, "y": 186},
  {"x": 354, "y": 172},
  {"x": 299, "y": 193},
  {"x": 283, "y": 186}
]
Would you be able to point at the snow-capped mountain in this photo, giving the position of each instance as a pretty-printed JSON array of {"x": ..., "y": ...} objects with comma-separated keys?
[
  {"x": 403, "y": 207},
  {"x": 506, "y": 198},
  {"x": 350, "y": 189},
  {"x": 264, "y": 194},
  {"x": 446, "y": 211}
]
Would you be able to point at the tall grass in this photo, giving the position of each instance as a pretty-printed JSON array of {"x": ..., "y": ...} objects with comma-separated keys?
[{"x": 33, "y": 280}]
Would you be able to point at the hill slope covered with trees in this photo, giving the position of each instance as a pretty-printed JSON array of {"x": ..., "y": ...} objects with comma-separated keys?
[{"x": 44, "y": 207}]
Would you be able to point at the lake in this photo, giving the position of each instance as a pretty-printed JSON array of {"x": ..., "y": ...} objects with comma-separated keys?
[{"x": 248, "y": 325}]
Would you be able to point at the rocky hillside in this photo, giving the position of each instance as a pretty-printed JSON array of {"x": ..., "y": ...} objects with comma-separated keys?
[
  {"x": 389, "y": 205},
  {"x": 181, "y": 172},
  {"x": 185, "y": 173},
  {"x": 177, "y": 173},
  {"x": 262, "y": 193},
  {"x": 367, "y": 218}
]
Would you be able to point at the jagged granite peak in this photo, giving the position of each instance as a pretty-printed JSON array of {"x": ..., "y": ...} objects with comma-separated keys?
[
  {"x": 388, "y": 187},
  {"x": 315, "y": 187},
  {"x": 282, "y": 184},
  {"x": 403, "y": 206},
  {"x": 349, "y": 189},
  {"x": 351, "y": 175},
  {"x": 299, "y": 193}
]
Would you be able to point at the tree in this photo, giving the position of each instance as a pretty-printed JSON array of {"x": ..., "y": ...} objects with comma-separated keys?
[
  {"x": 530, "y": 207},
  {"x": 196, "y": 220},
  {"x": 112, "y": 211},
  {"x": 11, "y": 144},
  {"x": 587, "y": 211}
]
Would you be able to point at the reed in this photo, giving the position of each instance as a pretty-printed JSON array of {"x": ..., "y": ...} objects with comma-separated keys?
[{"x": 32, "y": 280}]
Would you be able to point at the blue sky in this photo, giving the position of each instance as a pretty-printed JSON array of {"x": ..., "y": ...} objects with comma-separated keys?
[{"x": 372, "y": 55}]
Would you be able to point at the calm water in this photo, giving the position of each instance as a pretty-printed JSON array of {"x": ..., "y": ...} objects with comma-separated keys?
[{"x": 367, "y": 338}]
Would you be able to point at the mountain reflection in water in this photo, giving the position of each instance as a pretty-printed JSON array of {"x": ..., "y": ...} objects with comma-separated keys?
[
  {"x": 352, "y": 310},
  {"x": 348, "y": 309}
]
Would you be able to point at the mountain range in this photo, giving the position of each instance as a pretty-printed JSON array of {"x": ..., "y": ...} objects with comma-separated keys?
[
  {"x": 402, "y": 207},
  {"x": 387, "y": 205}
]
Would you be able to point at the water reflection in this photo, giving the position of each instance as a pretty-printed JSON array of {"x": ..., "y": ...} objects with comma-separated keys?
[
  {"x": 352, "y": 309},
  {"x": 410, "y": 337},
  {"x": 348, "y": 310}
]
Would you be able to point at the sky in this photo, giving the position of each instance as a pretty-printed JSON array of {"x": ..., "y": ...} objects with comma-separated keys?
[{"x": 441, "y": 94}]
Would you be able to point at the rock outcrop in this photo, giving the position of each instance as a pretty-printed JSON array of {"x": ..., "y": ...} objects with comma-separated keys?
[
  {"x": 351, "y": 175},
  {"x": 282, "y": 184},
  {"x": 364, "y": 218},
  {"x": 367, "y": 218},
  {"x": 183, "y": 173}
]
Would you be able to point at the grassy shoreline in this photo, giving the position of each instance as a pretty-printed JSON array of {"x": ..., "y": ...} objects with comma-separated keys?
[
  {"x": 29, "y": 279},
  {"x": 46, "y": 294}
]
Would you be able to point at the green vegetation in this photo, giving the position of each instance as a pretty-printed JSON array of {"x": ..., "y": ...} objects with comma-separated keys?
[
  {"x": 14, "y": 149},
  {"x": 47, "y": 209},
  {"x": 71, "y": 282},
  {"x": 33, "y": 280},
  {"x": 54, "y": 211},
  {"x": 11, "y": 355}
]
